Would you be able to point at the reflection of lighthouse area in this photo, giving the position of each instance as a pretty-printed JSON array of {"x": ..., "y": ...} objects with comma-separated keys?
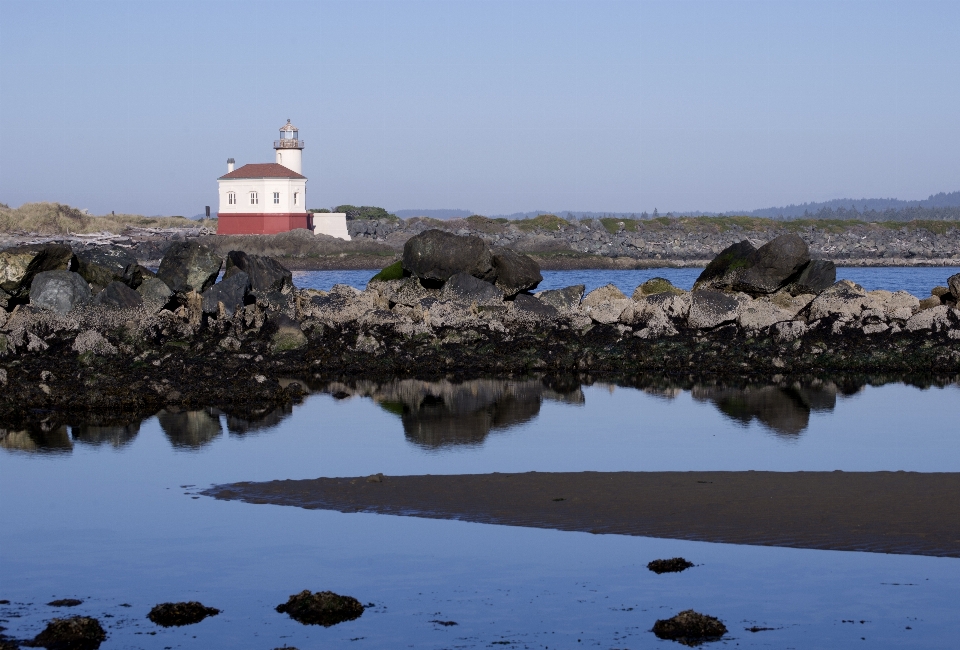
[{"x": 441, "y": 414}]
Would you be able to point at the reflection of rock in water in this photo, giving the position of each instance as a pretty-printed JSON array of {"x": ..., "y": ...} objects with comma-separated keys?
[
  {"x": 786, "y": 410},
  {"x": 190, "y": 429},
  {"x": 55, "y": 440},
  {"x": 116, "y": 436},
  {"x": 241, "y": 426},
  {"x": 437, "y": 414}
]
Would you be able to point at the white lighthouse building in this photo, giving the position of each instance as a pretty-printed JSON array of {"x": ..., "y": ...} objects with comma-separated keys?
[{"x": 269, "y": 198}]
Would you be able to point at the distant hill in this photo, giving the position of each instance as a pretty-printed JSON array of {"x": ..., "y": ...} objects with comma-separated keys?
[
  {"x": 941, "y": 200},
  {"x": 434, "y": 214}
]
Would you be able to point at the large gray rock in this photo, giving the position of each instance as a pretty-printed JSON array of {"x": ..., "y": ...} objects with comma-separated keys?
[
  {"x": 844, "y": 300},
  {"x": 515, "y": 272},
  {"x": 436, "y": 255},
  {"x": 60, "y": 291},
  {"x": 117, "y": 295},
  {"x": 19, "y": 265},
  {"x": 772, "y": 265},
  {"x": 102, "y": 265},
  {"x": 464, "y": 286},
  {"x": 188, "y": 266},
  {"x": 725, "y": 267},
  {"x": 265, "y": 273},
  {"x": 760, "y": 314},
  {"x": 709, "y": 308},
  {"x": 230, "y": 291},
  {"x": 155, "y": 294},
  {"x": 566, "y": 298},
  {"x": 815, "y": 277}
]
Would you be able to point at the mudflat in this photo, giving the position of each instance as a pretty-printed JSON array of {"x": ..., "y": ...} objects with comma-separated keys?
[{"x": 882, "y": 512}]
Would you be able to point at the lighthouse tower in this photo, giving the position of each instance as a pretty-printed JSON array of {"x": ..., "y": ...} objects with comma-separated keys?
[{"x": 289, "y": 148}]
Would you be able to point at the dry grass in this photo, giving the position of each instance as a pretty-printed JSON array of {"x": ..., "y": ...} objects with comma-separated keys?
[{"x": 59, "y": 219}]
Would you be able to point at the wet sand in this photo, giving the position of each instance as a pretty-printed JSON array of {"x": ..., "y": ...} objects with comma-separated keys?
[{"x": 881, "y": 512}]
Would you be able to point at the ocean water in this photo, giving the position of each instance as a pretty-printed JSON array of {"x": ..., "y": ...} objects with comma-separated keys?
[
  {"x": 916, "y": 280},
  {"x": 112, "y": 516}
]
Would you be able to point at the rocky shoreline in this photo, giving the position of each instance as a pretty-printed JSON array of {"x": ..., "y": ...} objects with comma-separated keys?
[
  {"x": 555, "y": 243},
  {"x": 100, "y": 339}
]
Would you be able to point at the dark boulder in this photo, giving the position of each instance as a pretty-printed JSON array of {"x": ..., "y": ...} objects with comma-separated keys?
[
  {"x": 526, "y": 302},
  {"x": 673, "y": 565},
  {"x": 437, "y": 255},
  {"x": 19, "y": 265},
  {"x": 728, "y": 264},
  {"x": 230, "y": 291},
  {"x": 266, "y": 273},
  {"x": 566, "y": 298},
  {"x": 188, "y": 266},
  {"x": 690, "y": 628},
  {"x": 772, "y": 265},
  {"x": 60, "y": 291},
  {"x": 74, "y": 633},
  {"x": 815, "y": 277},
  {"x": 178, "y": 614},
  {"x": 515, "y": 272},
  {"x": 65, "y": 602},
  {"x": 117, "y": 295},
  {"x": 954, "y": 283},
  {"x": 322, "y": 608},
  {"x": 464, "y": 286},
  {"x": 102, "y": 265}
]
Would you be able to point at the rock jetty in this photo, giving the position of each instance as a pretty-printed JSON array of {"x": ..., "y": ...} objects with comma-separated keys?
[{"x": 84, "y": 333}]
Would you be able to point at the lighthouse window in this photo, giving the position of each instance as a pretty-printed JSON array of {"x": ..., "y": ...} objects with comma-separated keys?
[
  {"x": 276, "y": 198},
  {"x": 254, "y": 199},
  {"x": 231, "y": 198},
  {"x": 296, "y": 198}
]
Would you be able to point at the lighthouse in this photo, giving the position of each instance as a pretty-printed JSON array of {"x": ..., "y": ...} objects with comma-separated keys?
[{"x": 270, "y": 198}]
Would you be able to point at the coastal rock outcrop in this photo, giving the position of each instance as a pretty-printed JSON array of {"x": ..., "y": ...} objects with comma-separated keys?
[
  {"x": 783, "y": 262},
  {"x": 109, "y": 352}
]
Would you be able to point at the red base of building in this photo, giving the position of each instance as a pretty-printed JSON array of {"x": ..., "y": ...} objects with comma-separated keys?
[{"x": 260, "y": 223}]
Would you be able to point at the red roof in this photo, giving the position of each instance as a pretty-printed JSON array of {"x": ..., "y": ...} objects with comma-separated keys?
[{"x": 263, "y": 170}]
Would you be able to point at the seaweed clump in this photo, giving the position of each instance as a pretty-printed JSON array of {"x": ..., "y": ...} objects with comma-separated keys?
[
  {"x": 74, "y": 633},
  {"x": 690, "y": 628},
  {"x": 65, "y": 602},
  {"x": 673, "y": 565},
  {"x": 322, "y": 608},
  {"x": 177, "y": 614}
]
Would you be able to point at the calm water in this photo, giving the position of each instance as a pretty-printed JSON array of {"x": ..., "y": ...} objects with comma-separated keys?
[
  {"x": 918, "y": 280},
  {"x": 110, "y": 515}
]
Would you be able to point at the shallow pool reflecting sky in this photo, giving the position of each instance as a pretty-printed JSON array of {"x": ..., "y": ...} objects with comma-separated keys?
[{"x": 113, "y": 518}]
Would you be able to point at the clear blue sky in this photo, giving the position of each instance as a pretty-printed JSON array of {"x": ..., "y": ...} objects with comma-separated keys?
[{"x": 491, "y": 106}]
